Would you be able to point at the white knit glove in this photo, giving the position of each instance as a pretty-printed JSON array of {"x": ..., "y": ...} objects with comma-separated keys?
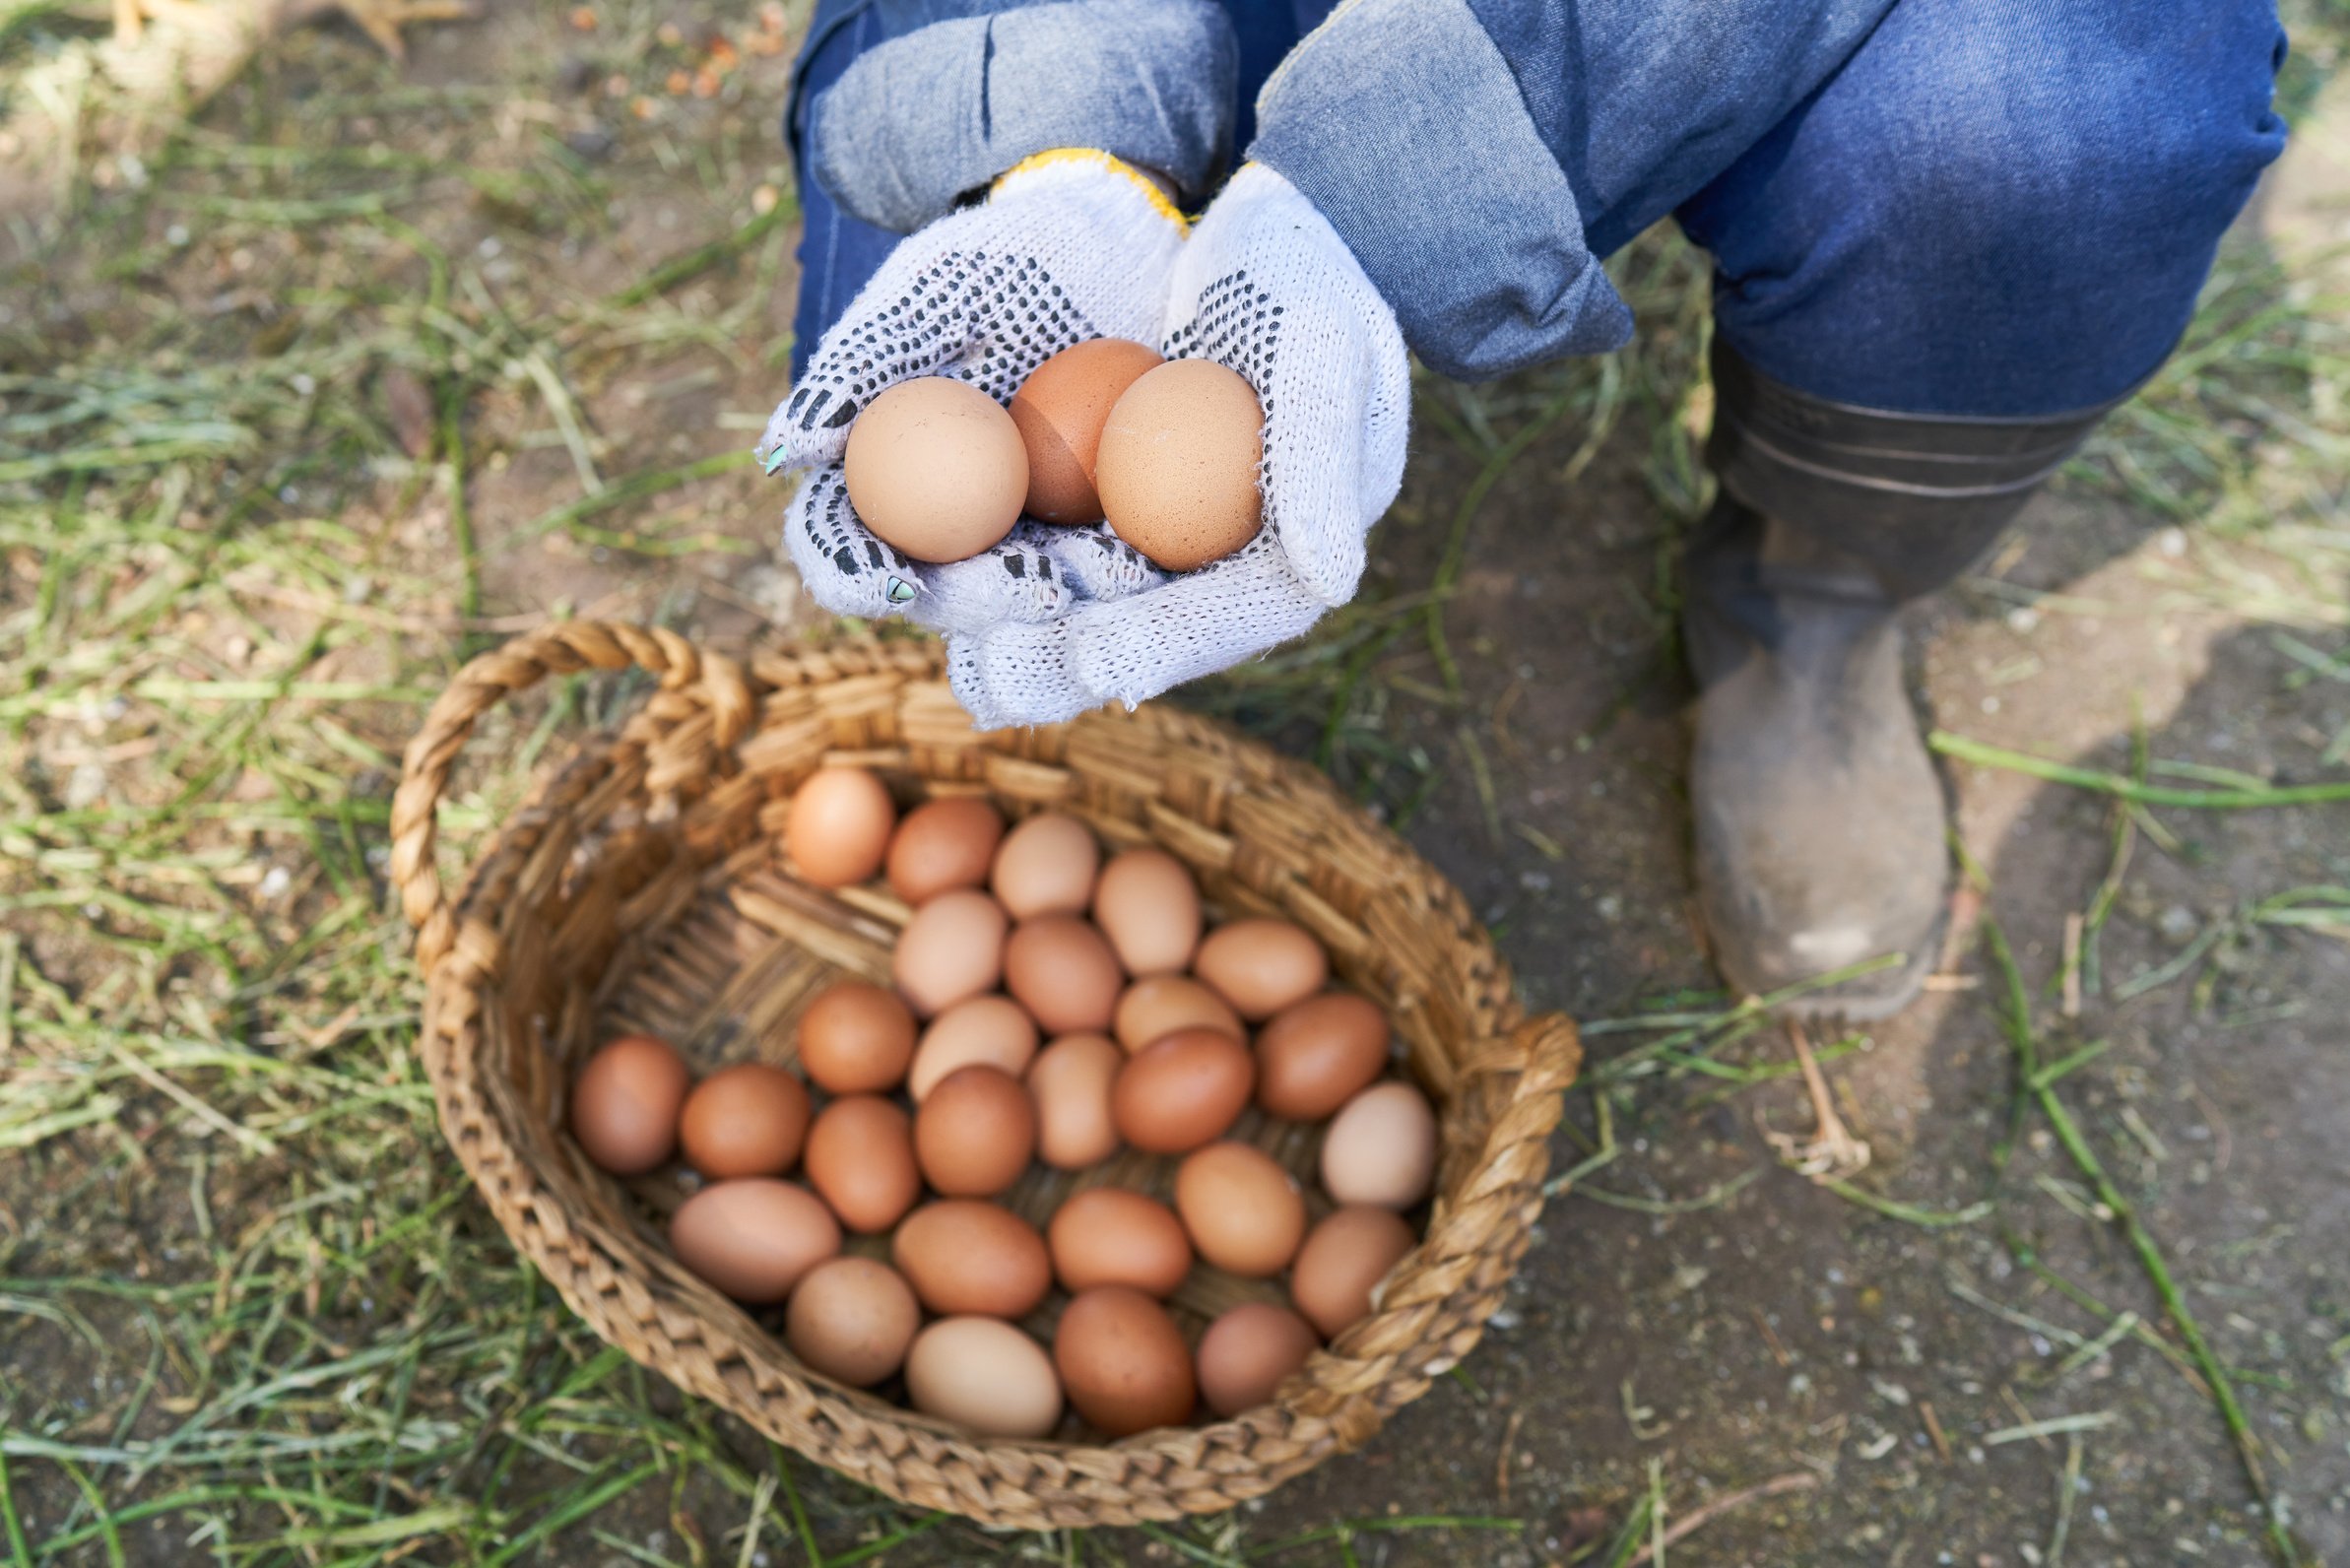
[
  {"x": 1266, "y": 286},
  {"x": 1070, "y": 245}
]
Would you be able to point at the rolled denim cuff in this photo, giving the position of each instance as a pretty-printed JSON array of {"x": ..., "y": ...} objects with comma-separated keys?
[
  {"x": 919, "y": 120},
  {"x": 1402, "y": 122}
]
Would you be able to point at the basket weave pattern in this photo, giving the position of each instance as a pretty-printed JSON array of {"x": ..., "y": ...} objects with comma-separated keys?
[{"x": 641, "y": 887}]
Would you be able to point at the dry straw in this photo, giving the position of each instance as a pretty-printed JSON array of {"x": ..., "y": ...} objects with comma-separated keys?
[{"x": 641, "y": 887}]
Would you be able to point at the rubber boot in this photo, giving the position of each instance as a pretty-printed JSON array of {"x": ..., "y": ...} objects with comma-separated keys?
[{"x": 1819, "y": 819}]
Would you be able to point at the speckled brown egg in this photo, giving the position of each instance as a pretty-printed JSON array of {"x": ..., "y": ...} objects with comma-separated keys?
[
  {"x": 985, "y": 1375},
  {"x": 1123, "y": 1361},
  {"x": 860, "y": 1159},
  {"x": 1262, "y": 965},
  {"x": 962, "y": 1254},
  {"x": 753, "y": 1238},
  {"x": 974, "y": 1133},
  {"x": 1182, "y": 1090},
  {"x": 943, "y": 844},
  {"x": 952, "y": 948},
  {"x": 746, "y": 1120},
  {"x": 1046, "y": 867},
  {"x": 1063, "y": 971},
  {"x": 851, "y": 1319},
  {"x": 855, "y": 1039},
  {"x": 936, "y": 468},
  {"x": 1244, "y": 1213},
  {"x": 624, "y": 1104},
  {"x": 1246, "y": 1353},
  {"x": 989, "y": 1030},
  {"x": 1381, "y": 1147},
  {"x": 1342, "y": 1259},
  {"x": 1060, "y": 410},
  {"x": 836, "y": 830},
  {"x": 1319, "y": 1053},
  {"x": 1070, "y": 1081},
  {"x": 1177, "y": 469},
  {"x": 1164, "y": 1002},
  {"x": 1149, "y": 906},
  {"x": 1109, "y": 1236}
]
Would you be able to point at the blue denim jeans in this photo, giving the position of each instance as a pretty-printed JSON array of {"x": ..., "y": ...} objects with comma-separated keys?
[{"x": 1989, "y": 207}]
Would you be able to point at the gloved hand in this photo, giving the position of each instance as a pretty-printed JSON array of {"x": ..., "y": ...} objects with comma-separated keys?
[
  {"x": 1070, "y": 245},
  {"x": 1266, "y": 286}
]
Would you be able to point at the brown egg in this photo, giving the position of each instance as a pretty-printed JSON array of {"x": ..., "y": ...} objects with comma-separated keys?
[
  {"x": 1123, "y": 1361},
  {"x": 1262, "y": 965},
  {"x": 943, "y": 844},
  {"x": 1109, "y": 1236},
  {"x": 1316, "y": 1056},
  {"x": 855, "y": 1039},
  {"x": 746, "y": 1120},
  {"x": 1046, "y": 867},
  {"x": 1246, "y": 1353},
  {"x": 624, "y": 1104},
  {"x": 1063, "y": 970},
  {"x": 952, "y": 948},
  {"x": 1177, "y": 469},
  {"x": 988, "y": 1031},
  {"x": 1244, "y": 1213},
  {"x": 974, "y": 1134},
  {"x": 965, "y": 1255},
  {"x": 1071, "y": 1085},
  {"x": 851, "y": 1319},
  {"x": 838, "y": 827},
  {"x": 753, "y": 1238},
  {"x": 1343, "y": 1257},
  {"x": 1060, "y": 410},
  {"x": 985, "y": 1375},
  {"x": 1381, "y": 1149},
  {"x": 861, "y": 1161},
  {"x": 1182, "y": 1090},
  {"x": 1149, "y": 906},
  {"x": 936, "y": 468},
  {"x": 1166, "y": 1003}
]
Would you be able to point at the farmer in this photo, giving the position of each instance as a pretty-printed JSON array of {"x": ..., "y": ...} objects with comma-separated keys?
[{"x": 1949, "y": 237}]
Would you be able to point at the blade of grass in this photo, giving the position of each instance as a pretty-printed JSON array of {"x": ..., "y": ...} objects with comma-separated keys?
[{"x": 1986, "y": 755}]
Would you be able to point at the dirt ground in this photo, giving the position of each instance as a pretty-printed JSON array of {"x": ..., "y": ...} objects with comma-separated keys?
[{"x": 1958, "y": 1358}]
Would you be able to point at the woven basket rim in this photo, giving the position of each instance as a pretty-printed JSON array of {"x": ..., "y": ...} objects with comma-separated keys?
[{"x": 712, "y": 705}]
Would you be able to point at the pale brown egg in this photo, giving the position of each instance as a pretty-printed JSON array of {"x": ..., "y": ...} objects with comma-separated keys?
[
  {"x": 1182, "y": 1090},
  {"x": 1166, "y": 1003},
  {"x": 1071, "y": 1085},
  {"x": 1246, "y": 1353},
  {"x": 1123, "y": 1361},
  {"x": 985, "y": 1375},
  {"x": 1381, "y": 1147},
  {"x": 1262, "y": 965},
  {"x": 990, "y": 1031},
  {"x": 1149, "y": 906},
  {"x": 936, "y": 468},
  {"x": 624, "y": 1104},
  {"x": 837, "y": 827},
  {"x": 1342, "y": 1259},
  {"x": 962, "y": 1254},
  {"x": 855, "y": 1039},
  {"x": 851, "y": 1319},
  {"x": 952, "y": 948},
  {"x": 1244, "y": 1213},
  {"x": 1109, "y": 1236},
  {"x": 752, "y": 1239},
  {"x": 861, "y": 1161},
  {"x": 943, "y": 844},
  {"x": 1060, "y": 410},
  {"x": 1319, "y": 1053},
  {"x": 1046, "y": 867},
  {"x": 974, "y": 1133},
  {"x": 746, "y": 1120},
  {"x": 1063, "y": 970},
  {"x": 1177, "y": 469}
]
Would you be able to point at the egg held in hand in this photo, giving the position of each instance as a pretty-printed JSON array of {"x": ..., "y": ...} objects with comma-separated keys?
[{"x": 936, "y": 468}]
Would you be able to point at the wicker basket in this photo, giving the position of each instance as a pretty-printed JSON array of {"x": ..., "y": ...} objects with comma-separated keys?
[{"x": 641, "y": 887}]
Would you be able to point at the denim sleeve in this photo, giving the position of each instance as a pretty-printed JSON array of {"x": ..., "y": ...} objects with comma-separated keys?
[
  {"x": 920, "y": 119},
  {"x": 1404, "y": 125}
]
